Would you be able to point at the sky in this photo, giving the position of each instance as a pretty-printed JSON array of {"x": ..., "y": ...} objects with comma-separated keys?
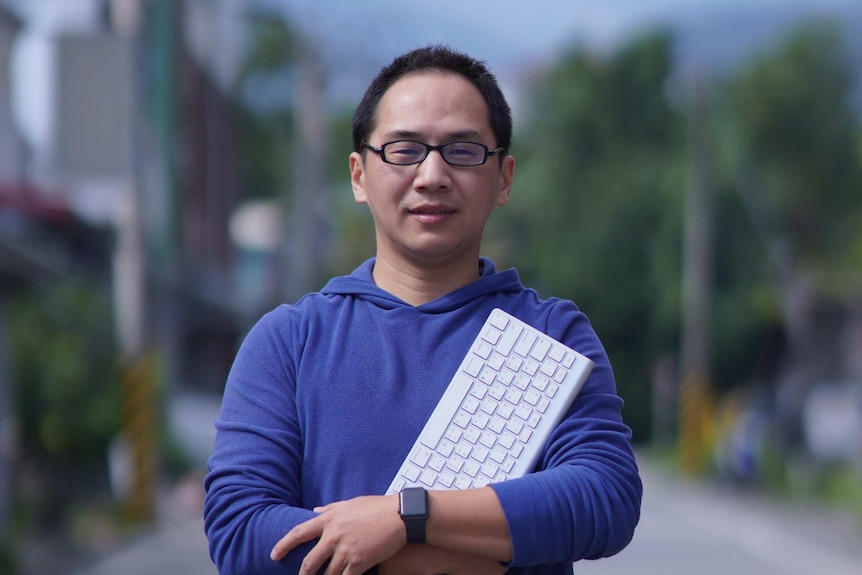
[{"x": 356, "y": 38}]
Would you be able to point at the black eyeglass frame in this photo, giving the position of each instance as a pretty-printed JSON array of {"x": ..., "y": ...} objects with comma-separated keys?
[{"x": 430, "y": 148}]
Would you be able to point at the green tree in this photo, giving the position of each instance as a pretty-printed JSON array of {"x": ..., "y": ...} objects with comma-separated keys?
[
  {"x": 65, "y": 389},
  {"x": 597, "y": 204},
  {"x": 798, "y": 153},
  {"x": 266, "y": 104}
]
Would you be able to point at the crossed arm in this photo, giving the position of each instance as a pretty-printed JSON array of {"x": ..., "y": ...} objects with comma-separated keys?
[{"x": 466, "y": 533}]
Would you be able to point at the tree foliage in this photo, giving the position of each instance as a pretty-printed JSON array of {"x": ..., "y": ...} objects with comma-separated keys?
[
  {"x": 597, "y": 204},
  {"x": 600, "y": 188}
]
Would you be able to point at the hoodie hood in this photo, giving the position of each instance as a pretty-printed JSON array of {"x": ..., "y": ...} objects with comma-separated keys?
[{"x": 360, "y": 284}]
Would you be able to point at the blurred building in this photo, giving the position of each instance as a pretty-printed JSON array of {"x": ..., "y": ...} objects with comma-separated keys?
[{"x": 142, "y": 143}]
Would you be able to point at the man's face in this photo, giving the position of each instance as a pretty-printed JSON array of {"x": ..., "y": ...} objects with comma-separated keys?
[{"x": 430, "y": 212}]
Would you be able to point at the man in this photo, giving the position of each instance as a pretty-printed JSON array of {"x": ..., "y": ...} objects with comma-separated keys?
[{"x": 326, "y": 396}]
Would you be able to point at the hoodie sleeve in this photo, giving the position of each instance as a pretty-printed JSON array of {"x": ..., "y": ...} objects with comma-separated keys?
[{"x": 252, "y": 486}]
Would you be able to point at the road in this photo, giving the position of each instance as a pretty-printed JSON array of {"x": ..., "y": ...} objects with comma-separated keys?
[
  {"x": 689, "y": 527},
  {"x": 686, "y": 527}
]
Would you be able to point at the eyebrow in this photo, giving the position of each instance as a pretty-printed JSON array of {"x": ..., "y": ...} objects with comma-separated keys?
[{"x": 451, "y": 136}]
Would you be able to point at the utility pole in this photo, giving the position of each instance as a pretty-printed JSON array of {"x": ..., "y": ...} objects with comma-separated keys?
[
  {"x": 695, "y": 403},
  {"x": 305, "y": 236}
]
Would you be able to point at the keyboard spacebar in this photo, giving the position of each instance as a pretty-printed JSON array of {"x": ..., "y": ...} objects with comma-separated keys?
[{"x": 449, "y": 404}]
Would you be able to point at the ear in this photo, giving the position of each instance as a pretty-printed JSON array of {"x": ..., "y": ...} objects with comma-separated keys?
[
  {"x": 507, "y": 173},
  {"x": 357, "y": 178}
]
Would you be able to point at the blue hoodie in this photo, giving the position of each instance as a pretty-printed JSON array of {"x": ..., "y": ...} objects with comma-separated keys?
[{"x": 326, "y": 397}]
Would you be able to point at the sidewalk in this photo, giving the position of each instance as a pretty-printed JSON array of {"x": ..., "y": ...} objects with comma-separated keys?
[{"x": 179, "y": 549}]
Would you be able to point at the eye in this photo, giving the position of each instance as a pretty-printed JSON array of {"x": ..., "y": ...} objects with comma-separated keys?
[
  {"x": 404, "y": 150},
  {"x": 464, "y": 152}
]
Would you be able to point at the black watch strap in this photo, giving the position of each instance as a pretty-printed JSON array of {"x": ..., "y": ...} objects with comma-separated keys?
[
  {"x": 415, "y": 530},
  {"x": 413, "y": 508}
]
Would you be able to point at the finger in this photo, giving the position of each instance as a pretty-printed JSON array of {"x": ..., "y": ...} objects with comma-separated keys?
[
  {"x": 302, "y": 533},
  {"x": 317, "y": 558}
]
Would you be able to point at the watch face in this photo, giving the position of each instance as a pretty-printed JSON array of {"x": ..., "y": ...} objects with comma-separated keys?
[{"x": 414, "y": 502}]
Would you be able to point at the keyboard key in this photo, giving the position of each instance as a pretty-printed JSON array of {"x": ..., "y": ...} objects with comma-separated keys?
[
  {"x": 541, "y": 382},
  {"x": 507, "y": 440},
  {"x": 515, "y": 426},
  {"x": 492, "y": 335},
  {"x": 490, "y": 469},
  {"x": 523, "y": 346},
  {"x": 498, "y": 320},
  {"x": 514, "y": 363},
  {"x": 471, "y": 468},
  {"x": 478, "y": 390},
  {"x": 463, "y": 449},
  {"x": 497, "y": 391},
  {"x": 481, "y": 481},
  {"x": 474, "y": 366},
  {"x": 445, "y": 448},
  {"x": 498, "y": 454},
  {"x": 489, "y": 406},
  {"x": 488, "y": 439},
  {"x": 484, "y": 350},
  {"x": 543, "y": 405},
  {"x": 523, "y": 411},
  {"x": 497, "y": 425},
  {"x": 471, "y": 404},
  {"x": 472, "y": 434},
  {"x": 506, "y": 376},
  {"x": 463, "y": 482},
  {"x": 411, "y": 473},
  {"x": 437, "y": 463},
  {"x": 505, "y": 410},
  {"x": 479, "y": 454},
  {"x": 557, "y": 353},
  {"x": 447, "y": 479},
  {"x": 531, "y": 367},
  {"x": 514, "y": 396},
  {"x": 522, "y": 381},
  {"x": 454, "y": 434},
  {"x": 428, "y": 477},
  {"x": 462, "y": 420},
  {"x": 420, "y": 456},
  {"x": 455, "y": 463},
  {"x": 540, "y": 350},
  {"x": 487, "y": 375},
  {"x": 496, "y": 362},
  {"x": 504, "y": 346}
]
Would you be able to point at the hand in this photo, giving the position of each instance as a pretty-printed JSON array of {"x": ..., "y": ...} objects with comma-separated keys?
[
  {"x": 429, "y": 560},
  {"x": 354, "y": 536}
]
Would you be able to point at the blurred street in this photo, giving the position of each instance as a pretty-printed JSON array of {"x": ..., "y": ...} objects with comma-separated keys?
[
  {"x": 690, "y": 527},
  {"x": 686, "y": 527}
]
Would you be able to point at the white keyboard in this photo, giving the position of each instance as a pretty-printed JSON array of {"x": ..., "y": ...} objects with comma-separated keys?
[{"x": 512, "y": 389}]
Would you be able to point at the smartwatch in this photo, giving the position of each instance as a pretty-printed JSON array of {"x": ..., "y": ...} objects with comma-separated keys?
[{"x": 413, "y": 509}]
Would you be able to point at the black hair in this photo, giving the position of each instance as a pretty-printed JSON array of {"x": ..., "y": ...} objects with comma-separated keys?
[{"x": 442, "y": 59}]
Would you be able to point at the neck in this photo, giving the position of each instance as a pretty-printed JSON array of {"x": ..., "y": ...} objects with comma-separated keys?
[{"x": 419, "y": 285}]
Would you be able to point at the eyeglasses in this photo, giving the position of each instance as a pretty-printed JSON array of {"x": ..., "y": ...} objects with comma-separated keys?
[{"x": 409, "y": 152}]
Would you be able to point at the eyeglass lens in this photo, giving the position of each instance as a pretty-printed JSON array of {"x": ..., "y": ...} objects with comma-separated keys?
[{"x": 407, "y": 152}]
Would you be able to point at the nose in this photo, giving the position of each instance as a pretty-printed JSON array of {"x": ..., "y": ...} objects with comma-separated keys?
[{"x": 433, "y": 173}]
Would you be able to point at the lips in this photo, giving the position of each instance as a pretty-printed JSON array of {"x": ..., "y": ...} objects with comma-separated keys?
[
  {"x": 432, "y": 214},
  {"x": 432, "y": 210}
]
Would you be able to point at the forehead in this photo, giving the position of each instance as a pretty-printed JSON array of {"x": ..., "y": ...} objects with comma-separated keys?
[{"x": 431, "y": 103}]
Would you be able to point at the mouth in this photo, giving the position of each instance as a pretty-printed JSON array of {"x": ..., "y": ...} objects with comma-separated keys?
[
  {"x": 432, "y": 214},
  {"x": 432, "y": 211}
]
